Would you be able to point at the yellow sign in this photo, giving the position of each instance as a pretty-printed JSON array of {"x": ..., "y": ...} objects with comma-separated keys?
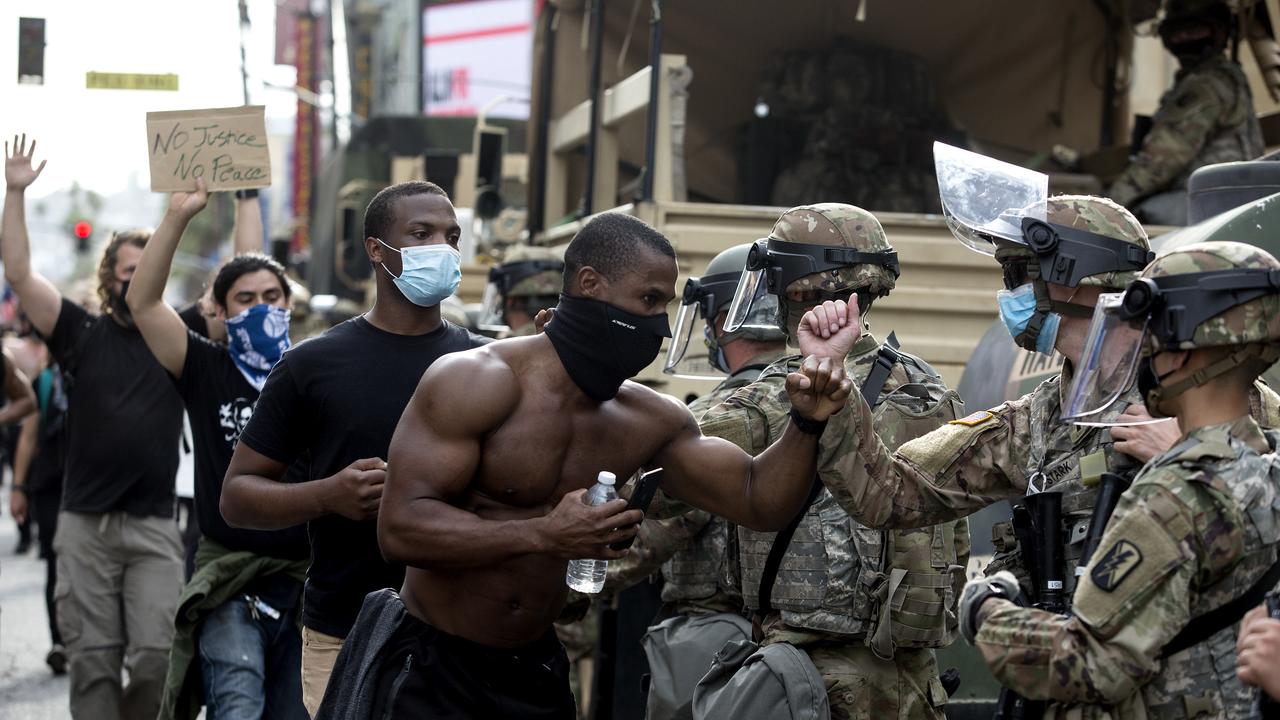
[{"x": 129, "y": 81}]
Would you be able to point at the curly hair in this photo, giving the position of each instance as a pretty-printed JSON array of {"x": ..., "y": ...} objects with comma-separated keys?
[{"x": 110, "y": 254}]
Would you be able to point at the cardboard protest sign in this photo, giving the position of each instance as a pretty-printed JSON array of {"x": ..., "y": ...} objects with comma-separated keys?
[{"x": 225, "y": 146}]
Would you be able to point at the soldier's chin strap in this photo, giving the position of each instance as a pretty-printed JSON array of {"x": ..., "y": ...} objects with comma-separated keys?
[{"x": 1266, "y": 354}]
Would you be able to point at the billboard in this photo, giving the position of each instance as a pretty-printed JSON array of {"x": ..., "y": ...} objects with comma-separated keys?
[{"x": 474, "y": 52}]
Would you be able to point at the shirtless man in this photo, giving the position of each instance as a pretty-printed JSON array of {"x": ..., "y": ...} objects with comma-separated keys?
[{"x": 486, "y": 475}]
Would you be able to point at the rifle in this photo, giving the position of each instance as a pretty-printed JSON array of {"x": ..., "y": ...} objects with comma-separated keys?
[
  {"x": 1112, "y": 487},
  {"x": 1037, "y": 523}
]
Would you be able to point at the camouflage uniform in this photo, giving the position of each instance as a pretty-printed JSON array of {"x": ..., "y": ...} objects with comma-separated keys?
[
  {"x": 1206, "y": 117},
  {"x": 842, "y": 589},
  {"x": 695, "y": 551},
  {"x": 837, "y": 609},
  {"x": 1200, "y": 524}
]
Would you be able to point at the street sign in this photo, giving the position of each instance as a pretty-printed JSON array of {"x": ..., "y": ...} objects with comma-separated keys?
[{"x": 129, "y": 81}]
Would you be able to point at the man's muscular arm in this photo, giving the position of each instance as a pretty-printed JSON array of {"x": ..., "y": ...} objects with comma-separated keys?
[
  {"x": 434, "y": 455},
  {"x": 762, "y": 493}
]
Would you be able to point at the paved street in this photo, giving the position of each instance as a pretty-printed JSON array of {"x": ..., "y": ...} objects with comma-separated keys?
[{"x": 27, "y": 689}]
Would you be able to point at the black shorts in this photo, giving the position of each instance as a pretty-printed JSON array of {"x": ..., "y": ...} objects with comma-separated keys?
[{"x": 425, "y": 673}]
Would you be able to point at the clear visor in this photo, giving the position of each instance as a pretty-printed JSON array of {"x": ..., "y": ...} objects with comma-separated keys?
[
  {"x": 491, "y": 315},
  {"x": 1107, "y": 366},
  {"x": 984, "y": 199},
  {"x": 685, "y": 361},
  {"x": 751, "y": 303}
]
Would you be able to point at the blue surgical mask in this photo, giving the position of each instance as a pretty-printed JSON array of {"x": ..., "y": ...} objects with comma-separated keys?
[
  {"x": 428, "y": 273},
  {"x": 256, "y": 339},
  {"x": 1017, "y": 307}
]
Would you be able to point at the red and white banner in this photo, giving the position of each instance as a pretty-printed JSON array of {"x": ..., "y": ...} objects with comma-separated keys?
[{"x": 474, "y": 52}]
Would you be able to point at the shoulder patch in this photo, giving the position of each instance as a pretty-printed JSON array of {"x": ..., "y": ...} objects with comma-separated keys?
[
  {"x": 973, "y": 419},
  {"x": 1122, "y": 559}
]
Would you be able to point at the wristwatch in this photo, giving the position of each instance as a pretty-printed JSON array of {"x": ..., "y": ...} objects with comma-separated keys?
[
  {"x": 807, "y": 426},
  {"x": 246, "y": 193}
]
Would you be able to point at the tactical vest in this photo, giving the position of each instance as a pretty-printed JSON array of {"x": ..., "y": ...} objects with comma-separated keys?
[
  {"x": 1204, "y": 675},
  {"x": 704, "y": 573},
  {"x": 889, "y": 589},
  {"x": 1058, "y": 451},
  {"x": 1238, "y": 136}
]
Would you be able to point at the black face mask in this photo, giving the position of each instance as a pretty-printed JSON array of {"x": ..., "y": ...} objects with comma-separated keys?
[
  {"x": 119, "y": 308},
  {"x": 600, "y": 345}
]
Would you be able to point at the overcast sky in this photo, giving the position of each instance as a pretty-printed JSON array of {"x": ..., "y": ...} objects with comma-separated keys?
[{"x": 98, "y": 137}]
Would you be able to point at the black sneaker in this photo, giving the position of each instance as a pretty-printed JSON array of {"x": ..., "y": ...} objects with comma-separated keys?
[{"x": 57, "y": 660}]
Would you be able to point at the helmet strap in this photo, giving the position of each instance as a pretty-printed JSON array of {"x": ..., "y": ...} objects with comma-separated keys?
[{"x": 1266, "y": 353}]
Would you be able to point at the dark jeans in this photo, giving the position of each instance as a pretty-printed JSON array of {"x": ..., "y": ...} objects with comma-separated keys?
[
  {"x": 251, "y": 664},
  {"x": 425, "y": 673},
  {"x": 44, "y": 508}
]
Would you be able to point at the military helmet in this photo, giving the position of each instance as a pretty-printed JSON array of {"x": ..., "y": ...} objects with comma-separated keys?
[
  {"x": 1205, "y": 295},
  {"x": 534, "y": 271},
  {"x": 829, "y": 247},
  {"x": 838, "y": 225},
  {"x": 527, "y": 271},
  {"x": 1101, "y": 216},
  {"x": 1256, "y": 320},
  {"x": 701, "y": 303}
]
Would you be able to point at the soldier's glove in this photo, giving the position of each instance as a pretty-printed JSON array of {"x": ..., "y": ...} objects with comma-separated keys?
[{"x": 1003, "y": 585}]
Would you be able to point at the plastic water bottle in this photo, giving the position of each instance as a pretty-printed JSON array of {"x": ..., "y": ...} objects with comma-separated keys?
[{"x": 587, "y": 576}]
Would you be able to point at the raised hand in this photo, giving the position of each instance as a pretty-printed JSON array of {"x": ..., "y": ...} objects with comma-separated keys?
[
  {"x": 820, "y": 388},
  {"x": 830, "y": 329},
  {"x": 186, "y": 204},
  {"x": 18, "y": 173}
]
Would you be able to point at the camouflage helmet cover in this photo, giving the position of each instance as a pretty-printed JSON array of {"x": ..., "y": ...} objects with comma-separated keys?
[
  {"x": 543, "y": 283},
  {"x": 1254, "y": 321},
  {"x": 1104, "y": 217},
  {"x": 839, "y": 225}
]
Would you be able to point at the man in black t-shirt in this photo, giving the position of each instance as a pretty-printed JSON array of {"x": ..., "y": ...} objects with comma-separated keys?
[
  {"x": 119, "y": 554},
  {"x": 337, "y": 398},
  {"x": 239, "y": 609}
]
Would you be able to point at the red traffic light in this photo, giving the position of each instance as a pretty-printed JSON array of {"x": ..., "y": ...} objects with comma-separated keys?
[{"x": 83, "y": 229}]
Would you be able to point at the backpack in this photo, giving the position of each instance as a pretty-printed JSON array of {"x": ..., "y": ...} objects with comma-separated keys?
[
  {"x": 679, "y": 650},
  {"x": 774, "y": 682}
]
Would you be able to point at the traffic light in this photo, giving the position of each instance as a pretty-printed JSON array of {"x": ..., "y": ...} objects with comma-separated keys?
[
  {"x": 82, "y": 231},
  {"x": 31, "y": 51}
]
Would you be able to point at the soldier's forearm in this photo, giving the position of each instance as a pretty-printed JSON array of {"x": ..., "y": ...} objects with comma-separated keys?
[{"x": 1045, "y": 656}]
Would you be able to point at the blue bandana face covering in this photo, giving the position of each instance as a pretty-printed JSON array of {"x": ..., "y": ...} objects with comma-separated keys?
[
  {"x": 428, "y": 273},
  {"x": 256, "y": 339},
  {"x": 1017, "y": 307}
]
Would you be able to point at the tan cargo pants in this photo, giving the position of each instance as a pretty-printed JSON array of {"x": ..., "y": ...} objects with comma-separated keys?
[
  {"x": 119, "y": 578},
  {"x": 319, "y": 653}
]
